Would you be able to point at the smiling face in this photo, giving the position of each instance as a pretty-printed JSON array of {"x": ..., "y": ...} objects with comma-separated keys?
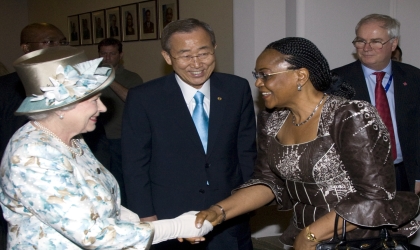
[
  {"x": 83, "y": 117},
  {"x": 376, "y": 59},
  {"x": 279, "y": 89},
  {"x": 196, "y": 71}
]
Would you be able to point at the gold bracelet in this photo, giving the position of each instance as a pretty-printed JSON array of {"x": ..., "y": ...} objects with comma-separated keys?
[
  {"x": 223, "y": 212},
  {"x": 310, "y": 236}
]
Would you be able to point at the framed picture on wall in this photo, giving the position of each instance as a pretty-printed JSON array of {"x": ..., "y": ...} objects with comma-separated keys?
[
  {"x": 168, "y": 12},
  {"x": 113, "y": 24},
  {"x": 98, "y": 27},
  {"x": 148, "y": 20},
  {"x": 130, "y": 31},
  {"x": 85, "y": 24},
  {"x": 73, "y": 28}
]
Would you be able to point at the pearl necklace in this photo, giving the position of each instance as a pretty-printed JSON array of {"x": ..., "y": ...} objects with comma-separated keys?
[
  {"x": 74, "y": 142},
  {"x": 309, "y": 117}
]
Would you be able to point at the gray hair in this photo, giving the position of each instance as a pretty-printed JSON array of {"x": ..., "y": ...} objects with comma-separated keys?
[
  {"x": 45, "y": 114},
  {"x": 184, "y": 26},
  {"x": 392, "y": 25}
]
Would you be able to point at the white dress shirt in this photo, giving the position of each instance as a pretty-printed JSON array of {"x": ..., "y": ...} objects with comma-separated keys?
[{"x": 188, "y": 92}]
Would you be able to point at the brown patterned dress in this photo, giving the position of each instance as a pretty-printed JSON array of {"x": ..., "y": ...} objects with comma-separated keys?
[{"x": 347, "y": 168}]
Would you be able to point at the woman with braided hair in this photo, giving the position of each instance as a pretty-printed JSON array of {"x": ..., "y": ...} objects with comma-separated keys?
[{"x": 320, "y": 155}]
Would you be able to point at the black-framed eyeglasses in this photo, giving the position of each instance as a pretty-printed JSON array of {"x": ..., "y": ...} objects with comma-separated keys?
[
  {"x": 360, "y": 44},
  {"x": 189, "y": 58},
  {"x": 264, "y": 76},
  {"x": 51, "y": 43}
]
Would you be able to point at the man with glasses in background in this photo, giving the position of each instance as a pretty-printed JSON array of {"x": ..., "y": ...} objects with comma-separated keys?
[
  {"x": 188, "y": 138},
  {"x": 33, "y": 37},
  {"x": 394, "y": 89}
]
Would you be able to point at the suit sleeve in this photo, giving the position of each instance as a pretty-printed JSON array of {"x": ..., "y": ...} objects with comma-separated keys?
[
  {"x": 247, "y": 151},
  {"x": 136, "y": 143}
]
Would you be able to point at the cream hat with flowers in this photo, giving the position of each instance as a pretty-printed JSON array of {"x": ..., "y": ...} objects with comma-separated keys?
[{"x": 59, "y": 76}]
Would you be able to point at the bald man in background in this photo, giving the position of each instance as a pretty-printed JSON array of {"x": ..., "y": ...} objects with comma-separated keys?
[{"x": 33, "y": 37}]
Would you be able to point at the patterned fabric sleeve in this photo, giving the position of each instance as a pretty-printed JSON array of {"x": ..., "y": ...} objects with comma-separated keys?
[
  {"x": 362, "y": 141},
  {"x": 40, "y": 183},
  {"x": 263, "y": 175}
]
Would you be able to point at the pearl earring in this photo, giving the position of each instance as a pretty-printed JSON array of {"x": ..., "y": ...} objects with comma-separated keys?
[{"x": 299, "y": 87}]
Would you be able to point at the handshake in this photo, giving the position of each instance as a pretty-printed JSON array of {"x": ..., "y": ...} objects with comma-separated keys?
[
  {"x": 180, "y": 227},
  {"x": 187, "y": 226}
]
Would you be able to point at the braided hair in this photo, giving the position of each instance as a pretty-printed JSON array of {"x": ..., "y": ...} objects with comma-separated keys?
[{"x": 302, "y": 53}]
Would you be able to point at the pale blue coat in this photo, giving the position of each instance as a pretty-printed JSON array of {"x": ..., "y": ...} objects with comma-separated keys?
[{"x": 54, "y": 200}]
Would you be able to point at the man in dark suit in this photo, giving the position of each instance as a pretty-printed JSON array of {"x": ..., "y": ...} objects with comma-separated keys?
[
  {"x": 376, "y": 38},
  {"x": 113, "y": 29},
  {"x": 170, "y": 165},
  {"x": 148, "y": 26}
]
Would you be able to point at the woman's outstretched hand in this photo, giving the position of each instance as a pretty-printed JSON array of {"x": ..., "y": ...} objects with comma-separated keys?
[
  {"x": 209, "y": 215},
  {"x": 212, "y": 214}
]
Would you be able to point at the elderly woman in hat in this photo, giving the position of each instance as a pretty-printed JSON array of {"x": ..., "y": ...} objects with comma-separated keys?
[
  {"x": 54, "y": 193},
  {"x": 320, "y": 155}
]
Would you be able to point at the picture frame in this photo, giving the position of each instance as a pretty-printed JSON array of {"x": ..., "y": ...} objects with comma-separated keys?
[
  {"x": 168, "y": 12},
  {"x": 129, "y": 23},
  {"x": 85, "y": 27},
  {"x": 113, "y": 23},
  {"x": 148, "y": 21},
  {"x": 73, "y": 30},
  {"x": 98, "y": 26}
]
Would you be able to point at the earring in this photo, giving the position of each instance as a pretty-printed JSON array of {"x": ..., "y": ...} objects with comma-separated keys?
[
  {"x": 61, "y": 117},
  {"x": 299, "y": 87}
]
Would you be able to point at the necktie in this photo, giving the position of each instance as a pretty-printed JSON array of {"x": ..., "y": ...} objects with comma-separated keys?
[
  {"x": 383, "y": 109},
  {"x": 201, "y": 119}
]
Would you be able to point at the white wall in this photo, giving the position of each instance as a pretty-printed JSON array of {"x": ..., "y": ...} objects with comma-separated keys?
[{"x": 256, "y": 24}]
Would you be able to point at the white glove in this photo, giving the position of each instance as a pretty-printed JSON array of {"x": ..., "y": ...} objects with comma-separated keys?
[{"x": 182, "y": 226}]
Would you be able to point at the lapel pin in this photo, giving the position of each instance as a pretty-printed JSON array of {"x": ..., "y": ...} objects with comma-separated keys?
[
  {"x": 219, "y": 98},
  {"x": 405, "y": 83}
]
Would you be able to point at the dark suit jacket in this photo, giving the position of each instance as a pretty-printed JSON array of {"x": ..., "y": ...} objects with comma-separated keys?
[
  {"x": 164, "y": 163},
  {"x": 12, "y": 93},
  {"x": 150, "y": 29},
  {"x": 407, "y": 108},
  {"x": 113, "y": 31}
]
